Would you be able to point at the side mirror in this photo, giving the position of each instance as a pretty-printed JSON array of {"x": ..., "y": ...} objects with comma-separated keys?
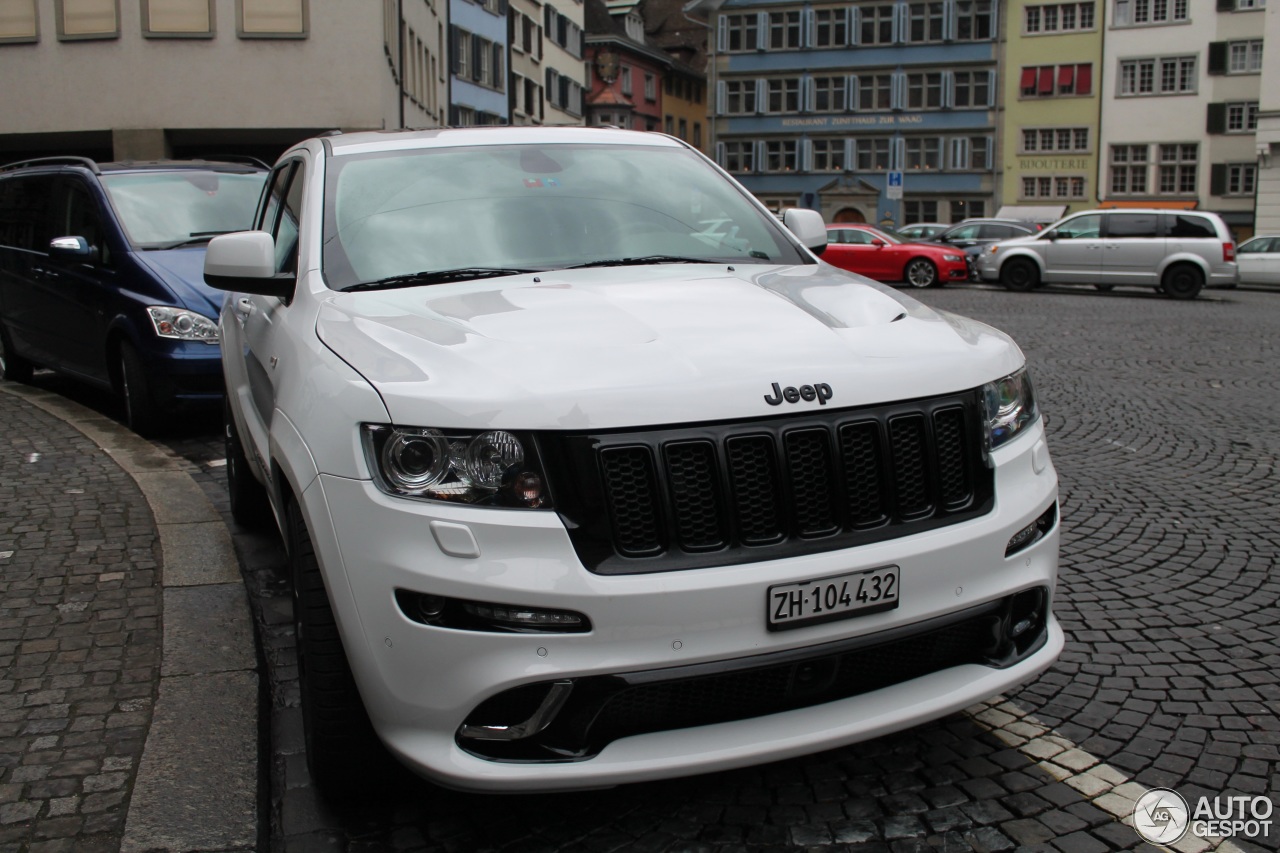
[
  {"x": 72, "y": 249},
  {"x": 245, "y": 262},
  {"x": 877, "y": 242},
  {"x": 808, "y": 227}
]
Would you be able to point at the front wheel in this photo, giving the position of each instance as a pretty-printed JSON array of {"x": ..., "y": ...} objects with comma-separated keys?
[
  {"x": 1020, "y": 274},
  {"x": 920, "y": 273},
  {"x": 141, "y": 414},
  {"x": 13, "y": 367},
  {"x": 1182, "y": 281}
]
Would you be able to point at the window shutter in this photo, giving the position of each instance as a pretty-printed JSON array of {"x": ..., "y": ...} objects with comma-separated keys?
[
  {"x": 958, "y": 154},
  {"x": 455, "y": 50},
  {"x": 1216, "y": 121},
  {"x": 477, "y": 49},
  {"x": 1217, "y": 57},
  {"x": 806, "y": 27},
  {"x": 991, "y": 155},
  {"x": 759, "y": 157},
  {"x": 720, "y": 154},
  {"x": 897, "y": 153},
  {"x": 762, "y": 30},
  {"x": 1218, "y": 179},
  {"x": 722, "y": 96},
  {"x": 850, "y": 154},
  {"x": 551, "y": 88},
  {"x": 901, "y": 23},
  {"x": 1226, "y": 5},
  {"x": 898, "y": 91},
  {"x": 806, "y": 155},
  {"x": 991, "y": 88},
  {"x": 499, "y": 81},
  {"x": 948, "y": 89},
  {"x": 949, "y": 20},
  {"x": 722, "y": 34},
  {"x": 762, "y": 95},
  {"x": 549, "y": 20},
  {"x": 853, "y": 24},
  {"x": 808, "y": 95},
  {"x": 851, "y": 93}
]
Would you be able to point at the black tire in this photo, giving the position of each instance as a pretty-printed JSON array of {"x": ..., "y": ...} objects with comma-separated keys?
[
  {"x": 1020, "y": 274},
  {"x": 1105, "y": 288},
  {"x": 250, "y": 506},
  {"x": 344, "y": 755},
  {"x": 1182, "y": 281},
  {"x": 920, "y": 272},
  {"x": 141, "y": 414},
  {"x": 13, "y": 367}
]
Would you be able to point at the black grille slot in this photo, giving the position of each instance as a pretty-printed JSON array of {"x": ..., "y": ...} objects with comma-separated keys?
[
  {"x": 692, "y": 496},
  {"x": 811, "y": 474},
  {"x": 628, "y": 474},
  {"x": 910, "y": 467},
  {"x": 695, "y": 494},
  {"x": 863, "y": 473}
]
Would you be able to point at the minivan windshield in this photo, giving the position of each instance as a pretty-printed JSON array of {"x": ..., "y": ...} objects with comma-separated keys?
[
  {"x": 162, "y": 210},
  {"x": 425, "y": 215}
]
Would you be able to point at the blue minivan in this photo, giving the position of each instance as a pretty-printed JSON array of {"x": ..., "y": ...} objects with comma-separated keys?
[{"x": 101, "y": 275}]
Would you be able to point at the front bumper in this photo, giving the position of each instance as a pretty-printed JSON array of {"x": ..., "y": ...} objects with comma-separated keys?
[{"x": 422, "y": 683}]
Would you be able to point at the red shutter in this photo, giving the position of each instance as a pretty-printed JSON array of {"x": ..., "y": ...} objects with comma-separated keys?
[
  {"x": 1084, "y": 79},
  {"x": 1046, "y": 80},
  {"x": 1066, "y": 74},
  {"x": 1028, "y": 78}
]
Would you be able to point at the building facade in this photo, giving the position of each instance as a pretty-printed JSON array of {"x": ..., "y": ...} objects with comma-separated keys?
[
  {"x": 564, "y": 74},
  {"x": 478, "y": 53},
  {"x": 151, "y": 79},
  {"x": 626, "y": 77},
  {"x": 1267, "y": 141},
  {"x": 820, "y": 106},
  {"x": 1052, "y": 107}
]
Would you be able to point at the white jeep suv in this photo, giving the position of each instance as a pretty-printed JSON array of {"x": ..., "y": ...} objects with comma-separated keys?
[{"x": 591, "y": 472}]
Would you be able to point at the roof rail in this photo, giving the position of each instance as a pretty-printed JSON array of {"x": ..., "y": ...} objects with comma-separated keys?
[
  {"x": 233, "y": 158},
  {"x": 66, "y": 160}
]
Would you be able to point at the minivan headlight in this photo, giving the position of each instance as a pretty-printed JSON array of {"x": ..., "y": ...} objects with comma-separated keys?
[
  {"x": 184, "y": 325},
  {"x": 490, "y": 467},
  {"x": 1009, "y": 407}
]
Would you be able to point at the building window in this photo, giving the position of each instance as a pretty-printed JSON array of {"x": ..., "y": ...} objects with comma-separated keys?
[
  {"x": 1147, "y": 12},
  {"x": 784, "y": 95},
  {"x": 1058, "y": 17},
  {"x": 924, "y": 91},
  {"x": 1248, "y": 5},
  {"x": 962, "y": 210},
  {"x": 1241, "y": 178},
  {"x": 876, "y": 24},
  {"x": 1047, "y": 81},
  {"x": 1041, "y": 139},
  {"x": 830, "y": 28},
  {"x": 625, "y": 76},
  {"x": 1129, "y": 169},
  {"x": 1244, "y": 57},
  {"x": 828, "y": 155},
  {"x": 922, "y": 153},
  {"x": 829, "y": 94},
  {"x": 784, "y": 30},
  {"x": 973, "y": 20},
  {"x": 739, "y": 156},
  {"x": 684, "y": 129},
  {"x": 781, "y": 155},
  {"x": 1053, "y": 186},
  {"x": 650, "y": 88},
  {"x": 875, "y": 92},
  {"x": 272, "y": 18},
  {"x": 88, "y": 19},
  {"x": 925, "y": 22},
  {"x": 1242, "y": 117},
  {"x": 971, "y": 89},
  {"x": 697, "y": 134},
  {"x": 740, "y": 97},
  {"x": 919, "y": 210},
  {"x": 742, "y": 32},
  {"x": 1166, "y": 75},
  {"x": 18, "y": 21},
  {"x": 971, "y": 153},
  {"x": 1177, "y": 169},
  {"x": 872, "y": 154}
]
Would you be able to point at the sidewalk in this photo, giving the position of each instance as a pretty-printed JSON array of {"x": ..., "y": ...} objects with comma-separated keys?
[{"x": 128, "y": 676}]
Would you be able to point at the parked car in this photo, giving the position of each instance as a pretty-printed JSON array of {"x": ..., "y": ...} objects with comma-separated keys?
[
  {"x": 1259, "y": 260},
  {"x": 974, "y": 235},
  {"x": 100, "y": 275},
  {"x": 920, "y": 231},
  {"x": 1176, "y": 252},
  {"x": 593, "y": 474},
  {"x": 878, "y": 254}
]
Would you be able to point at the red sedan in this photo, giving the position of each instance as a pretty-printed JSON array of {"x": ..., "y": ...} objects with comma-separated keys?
[{"x": 877, "y": 254}]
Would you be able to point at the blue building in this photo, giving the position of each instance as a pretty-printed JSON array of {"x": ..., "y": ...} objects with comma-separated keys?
[
  {"x": 817, "y": 104},
  {"x": 478, "y": 63}
]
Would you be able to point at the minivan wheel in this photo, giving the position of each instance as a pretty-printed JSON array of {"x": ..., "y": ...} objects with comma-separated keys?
[
  {"x": 13, "y": 367},
  {"x": 1020, "y": 274},
  {"x": 1105, "y": 288},
  {"x": 249, "y": 505},
  {"x": 141, "y": 413},
  {"x": 1182, "y": 281},
  {"x": 343, "y": 752},
  {"x": 921, "y": 273}
]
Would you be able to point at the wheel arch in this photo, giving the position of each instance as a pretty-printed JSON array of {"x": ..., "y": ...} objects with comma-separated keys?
[{"x": 1191, "y": 258}]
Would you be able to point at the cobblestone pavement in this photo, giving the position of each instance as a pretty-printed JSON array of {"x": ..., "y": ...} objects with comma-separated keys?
[
  {"x": 79, "y": 636},
  {"x": 1164, "y": 428}
]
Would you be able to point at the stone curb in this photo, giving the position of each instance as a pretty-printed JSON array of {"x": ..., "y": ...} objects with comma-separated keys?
[{"x": 197, "y": 783}]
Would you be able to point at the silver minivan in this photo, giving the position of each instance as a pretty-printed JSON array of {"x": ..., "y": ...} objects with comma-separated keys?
[{"x": 1175, "y": 251}]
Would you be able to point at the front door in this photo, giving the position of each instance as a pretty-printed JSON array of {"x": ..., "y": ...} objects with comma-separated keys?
[{"x": 1073, "y": 250}]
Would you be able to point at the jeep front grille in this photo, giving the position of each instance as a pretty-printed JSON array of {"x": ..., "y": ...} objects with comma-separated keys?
[{"x": 693, "y": 496}]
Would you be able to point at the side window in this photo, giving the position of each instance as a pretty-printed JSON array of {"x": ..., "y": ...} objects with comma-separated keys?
[
  {"x": 78, "y": 216},
  {"x": 274, "y": 198},
  {"x": 286, "y": 232},
  {"x": 969, "y": 232},
  {"x": 25, "y": 207},
  {"x": 858, "y": 238},
  {"x": 1133, "y": 225},
  {"x": 1189, "y": 227},
  {"x": 1080, "y": 228}
]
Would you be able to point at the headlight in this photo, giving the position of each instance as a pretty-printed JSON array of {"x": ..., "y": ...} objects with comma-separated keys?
[
  {"x": 953, "y": 258},
  {"x": 1009, "y": 406},
  {"x": 488, "y": 468},
  {"x": 182, "y": 325}
]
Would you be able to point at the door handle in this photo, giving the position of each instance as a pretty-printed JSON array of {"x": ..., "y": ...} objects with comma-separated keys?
[{"x": 245, "y": 306}]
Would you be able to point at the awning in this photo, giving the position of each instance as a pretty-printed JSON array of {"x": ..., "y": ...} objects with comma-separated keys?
[
  {"x": 1046, "y": 80},
  {"x": 1028, "y": 78},
  {"x": 1042, "y": 213},
  {"x": 1066, "y": 75},
  {"x": 1084, "y": 79}
]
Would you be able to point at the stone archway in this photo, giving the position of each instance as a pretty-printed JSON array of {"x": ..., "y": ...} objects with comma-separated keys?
[{"x": 849, "y": 214}]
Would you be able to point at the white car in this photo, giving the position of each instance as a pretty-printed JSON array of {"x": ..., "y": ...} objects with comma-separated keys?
[
  {"x": 592, "y": 473},
  {"x": 1259, "y": 260}
]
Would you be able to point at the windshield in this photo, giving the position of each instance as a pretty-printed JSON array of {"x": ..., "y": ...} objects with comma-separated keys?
[
  {"x": 164, "y": 209},
  {"x": 535, "y": 207}
]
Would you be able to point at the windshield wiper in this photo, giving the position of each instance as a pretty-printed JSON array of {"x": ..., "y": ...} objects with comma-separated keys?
[
  {"x": 644, "y": 260},
  {"x": 435, "y": 277},
  {"x": 192, "y": 239}
]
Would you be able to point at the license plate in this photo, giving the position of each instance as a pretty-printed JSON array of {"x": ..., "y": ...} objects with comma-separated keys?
[{"x": 792, "y": 605}]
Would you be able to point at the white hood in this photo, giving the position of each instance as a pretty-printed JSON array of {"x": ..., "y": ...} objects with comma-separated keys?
[{"x": 638, "y": 346}]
